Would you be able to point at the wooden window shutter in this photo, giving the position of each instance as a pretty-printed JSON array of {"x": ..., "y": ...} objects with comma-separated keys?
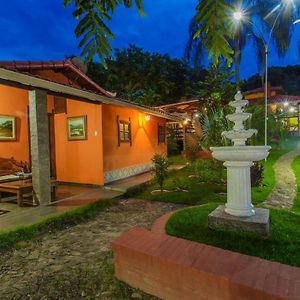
[{"x": 60, "y": 105}]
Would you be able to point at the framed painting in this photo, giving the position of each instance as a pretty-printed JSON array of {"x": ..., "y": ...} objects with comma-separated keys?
[
  {"x": 77, "y": 128},
  {"x": 7, "y": 128}
]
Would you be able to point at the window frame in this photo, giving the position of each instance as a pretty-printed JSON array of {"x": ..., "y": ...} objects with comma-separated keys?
[
  {"x": 161, "y": 134},
  {"x": 122, "y": 132}
]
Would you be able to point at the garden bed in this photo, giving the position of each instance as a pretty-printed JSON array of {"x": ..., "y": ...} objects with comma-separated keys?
[
  {"x": 282, "y": 245},
  {"x": 200, "y": 192}
]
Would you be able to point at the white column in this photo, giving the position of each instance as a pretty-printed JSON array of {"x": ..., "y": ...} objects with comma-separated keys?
[
  {"x": 39, "y": 137},
  {"x": 239, "y": 189}
]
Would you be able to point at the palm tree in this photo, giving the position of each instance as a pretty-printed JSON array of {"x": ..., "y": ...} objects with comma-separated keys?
[{"x": 240, "y": 32}]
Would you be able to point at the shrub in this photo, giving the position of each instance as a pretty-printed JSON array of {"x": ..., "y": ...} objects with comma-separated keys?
[
  {"x": 257, "y": 174},
  {"x": 160, "y": 169},
  {"x": 209, "y": 171}
]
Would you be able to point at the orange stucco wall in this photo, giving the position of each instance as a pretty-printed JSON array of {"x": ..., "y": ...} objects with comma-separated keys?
[
  {"x": 80, "y": 161},
  {"x": 144, "y": 138},
  {"x": 14, "y": 102}
]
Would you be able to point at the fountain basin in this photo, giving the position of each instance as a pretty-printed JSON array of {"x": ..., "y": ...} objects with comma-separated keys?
[
  {"x": 239, "y": 117},
  {"x": 240, "y": 153}
]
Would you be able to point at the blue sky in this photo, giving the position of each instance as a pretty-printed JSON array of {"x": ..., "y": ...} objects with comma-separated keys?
[{"x": 44, "y": 30}]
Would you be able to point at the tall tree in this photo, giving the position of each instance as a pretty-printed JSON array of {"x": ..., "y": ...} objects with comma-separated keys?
[
  {"x": 214, "y": 30},
  {"x": 147, "y": 78},
  {"x": 92, "y": 28}
]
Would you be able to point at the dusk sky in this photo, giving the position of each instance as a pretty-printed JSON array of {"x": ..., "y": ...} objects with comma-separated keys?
[{"x": 44, "y": 30}]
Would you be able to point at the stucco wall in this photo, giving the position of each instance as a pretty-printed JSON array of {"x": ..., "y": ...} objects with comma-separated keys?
[
  {"x": 79, "y": 161},
  {"x": 14, "y": 102},
  {"x": 144, "y": 138}
]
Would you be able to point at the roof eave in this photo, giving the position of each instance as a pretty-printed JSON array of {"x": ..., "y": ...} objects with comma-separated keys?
[{"x": 31, "y": 82}]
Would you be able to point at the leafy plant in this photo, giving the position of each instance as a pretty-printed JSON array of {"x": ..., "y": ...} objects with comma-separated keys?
[
  {"x": 92, "y": 16},
  {"x": 257, "y": 174},
  {"x": 209, "y": 171},
  {"x": 277, "y": 127},
  {"x": 160, "y": 169},
  {"x": 213, "y": 124},
  {"x": 180, "y": 184}
]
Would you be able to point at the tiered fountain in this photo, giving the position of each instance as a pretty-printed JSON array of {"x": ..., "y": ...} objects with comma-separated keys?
[{"x": 238, "y": 159}]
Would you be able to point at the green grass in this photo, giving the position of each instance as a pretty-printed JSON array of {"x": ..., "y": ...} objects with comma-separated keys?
[
  {"x": 282, "y": 246},
  {"x": 177, "y": 160},
  {"x": 201, "y": 193},
  {"x": 9, "y": 239},
  {"x": 296, "y": 169},
  {"x": 198, "y": 193}
]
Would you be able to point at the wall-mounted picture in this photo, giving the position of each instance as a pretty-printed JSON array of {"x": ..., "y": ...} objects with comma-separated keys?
[
  {"x": 7, "y": 128},
  {"x": 77, "y": 128}
]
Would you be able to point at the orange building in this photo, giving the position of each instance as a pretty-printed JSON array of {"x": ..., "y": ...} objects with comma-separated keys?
[
  {"x": 278, "y": 101},
  {"x": 53, "y": 115}
]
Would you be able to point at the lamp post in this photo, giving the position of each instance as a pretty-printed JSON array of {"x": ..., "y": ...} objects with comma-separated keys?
[{"x": 239, "y": 16}]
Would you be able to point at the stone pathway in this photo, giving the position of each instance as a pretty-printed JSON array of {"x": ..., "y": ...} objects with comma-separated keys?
[
  {"x": 285, "y": 190},
  {"x": 76, "y": 263}
]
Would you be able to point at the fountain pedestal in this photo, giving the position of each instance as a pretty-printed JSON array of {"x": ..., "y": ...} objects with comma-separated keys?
[
  {"x": 239, "y": 213},
  {"x": 239, "y": 197}
]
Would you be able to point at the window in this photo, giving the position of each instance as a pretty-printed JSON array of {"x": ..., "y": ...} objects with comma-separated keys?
[
  {"x": 124, "y": 131},
  {"x": 161, "y": 134}
]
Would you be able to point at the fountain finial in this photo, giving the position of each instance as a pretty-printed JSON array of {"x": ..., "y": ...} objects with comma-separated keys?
[{"x": 239, "y": 134}]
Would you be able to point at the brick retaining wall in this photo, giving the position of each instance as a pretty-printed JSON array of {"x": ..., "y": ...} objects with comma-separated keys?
[{"x": 173, "y": 268}]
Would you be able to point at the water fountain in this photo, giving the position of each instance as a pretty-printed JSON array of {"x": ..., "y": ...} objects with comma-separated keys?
[{"x": 238, "y": 160}]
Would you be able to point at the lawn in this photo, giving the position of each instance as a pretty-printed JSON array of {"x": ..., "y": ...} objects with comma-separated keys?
[
  {"x": 204, "y": 192},
  {"x": 283, "y": 244},
  {"x": 198, "y": 192}
]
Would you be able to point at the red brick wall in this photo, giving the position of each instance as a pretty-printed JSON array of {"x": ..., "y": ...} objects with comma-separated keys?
[{"x": 172, "y": 268}]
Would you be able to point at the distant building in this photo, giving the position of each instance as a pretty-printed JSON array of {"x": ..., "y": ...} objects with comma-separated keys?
[{"x": 278, "y": 101}]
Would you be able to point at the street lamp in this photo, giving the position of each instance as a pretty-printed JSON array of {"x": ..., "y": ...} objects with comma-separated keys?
[{"x": 239, "y": 16}]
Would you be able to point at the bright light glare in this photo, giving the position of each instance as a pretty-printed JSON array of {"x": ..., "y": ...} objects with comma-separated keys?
[
  {"x": 238, "y": 15},
  {"x": 292, "y": 109},
  {"x": 196, "y": 115},
  {"x": 285, "y": 104},
  {"x": 296, "y": 21}
]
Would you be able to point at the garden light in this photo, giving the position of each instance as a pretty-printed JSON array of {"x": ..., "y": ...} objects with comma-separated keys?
[
  {"x": 238, "y": 15},
  {"x": 292, "y": 109},
  {"x": 285, "y": 104}
]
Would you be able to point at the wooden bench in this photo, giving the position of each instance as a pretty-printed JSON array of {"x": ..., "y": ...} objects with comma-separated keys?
[
  {"x": 22, "y": 187},
  {"x": 177, "y": 269}
]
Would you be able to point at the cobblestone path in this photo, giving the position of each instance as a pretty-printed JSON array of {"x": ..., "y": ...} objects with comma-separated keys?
[
  {"x": 76, "y": 263},
  {"x": 285, "y": 189}
]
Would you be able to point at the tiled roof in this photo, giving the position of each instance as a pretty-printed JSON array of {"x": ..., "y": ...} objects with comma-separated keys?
[
  {"x": 262, "y": 90},
  {"x": 26, "y": 67},
  {"x": 283, "y": 98}
]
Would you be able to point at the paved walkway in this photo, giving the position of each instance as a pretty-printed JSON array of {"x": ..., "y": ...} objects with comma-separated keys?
[
  {"x": 285, "y": 190},
  {"x": 76, "y": 262},
  {"x": 83, "y": 195}
]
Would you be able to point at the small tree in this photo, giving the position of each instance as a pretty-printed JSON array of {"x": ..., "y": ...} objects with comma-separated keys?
[{"x": 160, "y": 169}]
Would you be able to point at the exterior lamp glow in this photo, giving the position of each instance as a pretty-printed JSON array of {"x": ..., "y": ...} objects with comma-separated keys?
[
  {"x": 196, "y": 115},
  {"x": 147, "y": 118},
  {"x": 238, "y": 15},
  {"x": 285, "y": 104},
  {"x": 292, "y": 109}
]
